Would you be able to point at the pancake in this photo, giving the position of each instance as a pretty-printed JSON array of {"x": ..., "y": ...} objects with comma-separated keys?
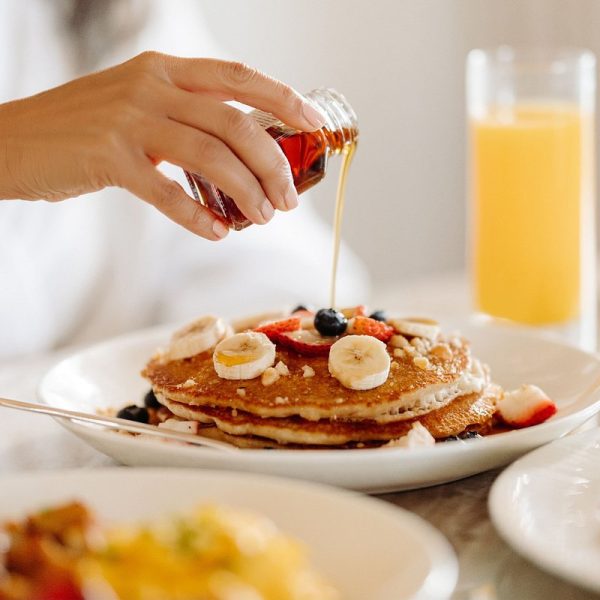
[
  {"x": 430, "y": 379},
  {"x": 409, "y": 391},
  {"x": 471, "y": 411}
]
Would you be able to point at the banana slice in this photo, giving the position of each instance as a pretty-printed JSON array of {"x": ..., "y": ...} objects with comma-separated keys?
[
  {"x": 245, "y": 323},
  {"x": 196, "y": 337},
  {"x": 416, "y": 327},
  {"x": 359, "y": 362},
  {"x": 244, "y": 355}
]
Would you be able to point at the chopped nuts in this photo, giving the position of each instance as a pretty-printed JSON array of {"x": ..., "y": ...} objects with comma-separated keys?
[
  {"x": 281, "y": 399},
  {"x": 394, "y": 365},
  {"x": 398, "y": 341},
  {"x": 282, "y": 368},
  {"x": 181, "y": 426},
  {"x": 234, "y": 412},
  {"x": 456, "y": 341},
  {"x": 339, "y": 400},
  {"x": 241, "y": 392},
  {"x": 270, "y": 376},
  {"x": 307, "y": 371},
  {"x": 188, "y": 383},
  {"x": 442, "y": 351},
  {"x": 418, "y": 345},
  {"x": 399, "y": 353},
  {"x": 417, "y": 436},
  {"x": 421, "y": 362}
]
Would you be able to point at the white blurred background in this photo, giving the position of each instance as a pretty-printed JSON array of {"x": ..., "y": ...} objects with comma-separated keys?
[{"x": 401, "y": 65}]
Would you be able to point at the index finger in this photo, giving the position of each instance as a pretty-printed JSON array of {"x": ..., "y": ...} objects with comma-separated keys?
[{"x": 237, "y": 81}]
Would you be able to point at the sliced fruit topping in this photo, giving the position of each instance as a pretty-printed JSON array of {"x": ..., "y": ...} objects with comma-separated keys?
[
  {"x": 416, "y": 327},
  {"x": 245, "y": 323},
  {"x": 273, "y": 328},
  {"x": 418, "y": 436},
  {"x": 330, "y": 322},
  {"x": 525, "y": 406},
  {"x": 359, "y": 362},
  {"x": 354, "y": 311},
  {"x": 379, "y": 315},
  {"x": 307, "y": 318},
  {"x": 244, "y": 355},
  {"x": 369, "y": 326},
  {"x": 306, "y": 342},
  {"x": 196, "y": 337}
]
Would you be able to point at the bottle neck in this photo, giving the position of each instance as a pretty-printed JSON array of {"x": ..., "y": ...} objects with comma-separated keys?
[{"x": 341, "y": 127}]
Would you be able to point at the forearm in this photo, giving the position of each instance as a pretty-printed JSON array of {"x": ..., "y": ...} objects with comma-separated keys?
[{"x": 9, "y": 152}]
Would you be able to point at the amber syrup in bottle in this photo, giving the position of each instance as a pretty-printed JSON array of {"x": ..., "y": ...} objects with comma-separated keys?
[{"x": 307, "y": 153}]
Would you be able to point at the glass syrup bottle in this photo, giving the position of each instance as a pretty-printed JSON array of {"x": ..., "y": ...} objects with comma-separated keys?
[{"x": 307, "y": 152}]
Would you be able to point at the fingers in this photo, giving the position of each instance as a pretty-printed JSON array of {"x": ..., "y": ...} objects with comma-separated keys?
[
  {"x": 200, "y": 152},
  {"x": 247, "y": 140},
  {"x": 237, "y": 81},
  {"x": 149, "y": 184}
]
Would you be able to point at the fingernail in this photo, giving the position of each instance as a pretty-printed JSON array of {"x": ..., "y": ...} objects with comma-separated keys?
[
  {"x": 267, "y": 210},
  {"x": 219, "y": 229},
  {"x": 291, "y": 198},
  {"x": 313, "y": 116}
]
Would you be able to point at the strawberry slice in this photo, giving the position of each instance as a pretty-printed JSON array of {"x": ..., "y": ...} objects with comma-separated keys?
[
  {"x": 61, "y": 589},
  {"x": 366, "y": 326},
  {"x": 306, "y": 342},
  {"x": 354, "y": 311},
  {"x": 525, "y": 406},
  {"x": 273, "y": 329}
]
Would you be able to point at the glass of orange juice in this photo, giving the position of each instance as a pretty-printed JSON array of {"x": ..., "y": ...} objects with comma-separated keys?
[{"x": 531, "y": 179}]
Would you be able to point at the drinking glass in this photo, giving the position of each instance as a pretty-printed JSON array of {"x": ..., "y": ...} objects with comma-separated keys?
[{"x": 531, "y": 179}]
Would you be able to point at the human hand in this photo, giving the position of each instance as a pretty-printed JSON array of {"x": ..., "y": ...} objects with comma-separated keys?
[{"x": 113, "y": 127}]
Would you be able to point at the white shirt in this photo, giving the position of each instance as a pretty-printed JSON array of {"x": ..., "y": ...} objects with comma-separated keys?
[{"x": 107, "y": 262}]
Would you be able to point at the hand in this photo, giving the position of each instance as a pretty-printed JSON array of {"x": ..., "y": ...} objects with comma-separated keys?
[{"x": 113, "y": 127}]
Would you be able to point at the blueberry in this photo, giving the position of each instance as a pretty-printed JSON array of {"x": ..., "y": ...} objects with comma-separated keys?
[
  {"x": 465, "y": 435},
  {"x": 150, "y": 400},
  {"x": 134, "y": 413},
  {"x": 299, "y": 307},
  {"x": 329, "y": 321},
  {"x": 378, "y": 315}
]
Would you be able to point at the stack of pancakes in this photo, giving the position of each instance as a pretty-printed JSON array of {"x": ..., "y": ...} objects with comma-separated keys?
[{"x": 451, "y": 396}]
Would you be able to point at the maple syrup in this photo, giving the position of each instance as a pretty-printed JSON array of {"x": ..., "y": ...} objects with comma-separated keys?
[{"x": 308, "y": 154}]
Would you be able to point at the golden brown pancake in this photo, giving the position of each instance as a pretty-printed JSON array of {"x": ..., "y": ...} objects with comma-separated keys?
[
  {"x": 472, "y": 411},
  {"x": 408, "y": 392}
]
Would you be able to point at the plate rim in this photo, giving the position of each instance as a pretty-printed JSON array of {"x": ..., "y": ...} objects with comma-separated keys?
[
  {"x": 503, "y": 522},
  {"x": 439, "y": 552}
]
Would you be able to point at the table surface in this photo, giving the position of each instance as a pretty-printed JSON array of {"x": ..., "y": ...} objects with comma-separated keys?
[{"x": 489, "y": 569}]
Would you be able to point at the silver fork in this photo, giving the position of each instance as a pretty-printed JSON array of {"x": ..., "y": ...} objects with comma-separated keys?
[{"x": 116, "y": 423}]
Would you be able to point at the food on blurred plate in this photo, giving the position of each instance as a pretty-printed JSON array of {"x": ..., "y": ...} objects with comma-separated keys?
[
  {"x": 330, "y": 379},
  {"x": 215, "y": 553}
]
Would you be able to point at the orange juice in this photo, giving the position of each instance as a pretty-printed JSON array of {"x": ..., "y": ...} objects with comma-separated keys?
[{"x": 528, "y": 166}]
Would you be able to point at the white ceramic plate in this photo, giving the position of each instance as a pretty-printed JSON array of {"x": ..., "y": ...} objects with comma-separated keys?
[
  {"x": 107, "y": 376},
  {"x": 547, "y": 507},
  {"x": 399, "y": 555}
]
